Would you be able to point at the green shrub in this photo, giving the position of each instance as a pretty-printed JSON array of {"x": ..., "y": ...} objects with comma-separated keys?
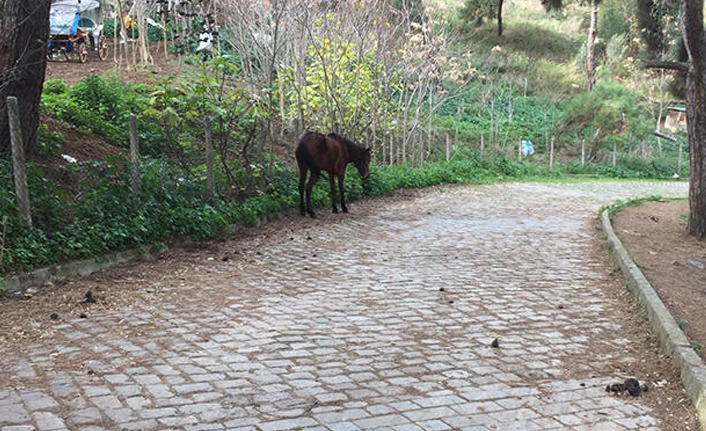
[
  {"x": 97, "y": 105},
  {"x": 48, "y": 143},
  {"x": 613, "y": 22},
  {"x": 54, "y": 86}
]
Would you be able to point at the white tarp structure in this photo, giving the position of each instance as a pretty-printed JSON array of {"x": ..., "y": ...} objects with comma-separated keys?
[{"x": 63, "y": 14}]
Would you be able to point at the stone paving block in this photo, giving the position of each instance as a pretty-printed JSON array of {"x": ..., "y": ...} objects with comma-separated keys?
[
  {"x": 434, "y": 425},
  {"x": 381, "y": 421},
  {"x": 119, "y": 415},
  {"x": 47, "y": 421},
  {"x": 143, "y": 425},
  {"x": 429, "y": 413},
  {"x": 341, "y": 416},
  {"x": 191, "y": 387},
  {"x": 156, "y": 413},
  {"x": 343, "y": 426},
  {"x": 37, "y": 400},
  {"x": 85, "y": 416},
  {"x": 13, "y": 414},
  {"x": 287, "y": 424}
]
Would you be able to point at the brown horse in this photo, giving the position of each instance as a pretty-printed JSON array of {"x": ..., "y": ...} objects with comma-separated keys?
[{"x": 330, "y": 153}]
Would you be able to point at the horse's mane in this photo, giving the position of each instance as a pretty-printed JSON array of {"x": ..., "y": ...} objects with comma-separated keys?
[{"x": 355, "y": 151}]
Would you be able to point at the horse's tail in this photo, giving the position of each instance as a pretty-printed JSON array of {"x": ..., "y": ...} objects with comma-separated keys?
[{"x": 302, "y": 153}]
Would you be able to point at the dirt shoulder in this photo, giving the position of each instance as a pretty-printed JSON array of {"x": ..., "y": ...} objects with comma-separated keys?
[
  {"x": 674, "y": 262},
  {"x": 72, "y": 72}
]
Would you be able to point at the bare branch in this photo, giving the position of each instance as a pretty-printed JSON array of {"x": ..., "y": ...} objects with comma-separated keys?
[
  {"x": 671, "y": 65},
  {"x": 665, "y": 136}
]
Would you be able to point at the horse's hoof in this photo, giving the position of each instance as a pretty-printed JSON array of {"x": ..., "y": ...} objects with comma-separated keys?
[
  {"x": 345, "y": 209},
  {"x": 334, "y": 210},
  {"x": 312, "y": 215}
]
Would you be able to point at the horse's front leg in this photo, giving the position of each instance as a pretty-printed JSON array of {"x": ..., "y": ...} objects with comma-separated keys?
[
  {"x": 312, "y": 180},
  {"x": 333, "y": 193},
  {"x": 344, "y": 208}
]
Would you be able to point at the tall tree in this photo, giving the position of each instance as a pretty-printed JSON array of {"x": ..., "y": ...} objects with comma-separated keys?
[
  {"x": 591, "y": 45},
  {"x": 691, "y": 21},
  {"x": 24, "y": 30},
  {"x": 692, "y": 26}
]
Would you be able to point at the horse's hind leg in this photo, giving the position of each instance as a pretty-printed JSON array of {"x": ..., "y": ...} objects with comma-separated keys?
[
  {"x": 302, "y": 188},
  {"x": 312, "y": 180},
  {"x": 333, "y": 193}
]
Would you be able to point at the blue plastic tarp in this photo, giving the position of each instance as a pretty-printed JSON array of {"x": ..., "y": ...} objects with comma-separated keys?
[{"x": 527, "y": 148}]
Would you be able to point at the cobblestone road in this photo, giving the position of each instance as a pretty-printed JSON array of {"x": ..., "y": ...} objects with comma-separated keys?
[{"x": 381, "y": 321}]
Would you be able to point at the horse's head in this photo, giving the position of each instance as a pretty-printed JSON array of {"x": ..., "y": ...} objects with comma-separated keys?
[{"x": 363, "y": 164}]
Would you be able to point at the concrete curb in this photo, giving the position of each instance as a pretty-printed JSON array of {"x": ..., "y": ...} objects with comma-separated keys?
[
  {"x": 18, "y": 283},
  {"x": 671, "y": 339}
]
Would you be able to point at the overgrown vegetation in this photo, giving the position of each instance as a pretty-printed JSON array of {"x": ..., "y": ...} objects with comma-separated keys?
[{"x": 418, "y": 76}]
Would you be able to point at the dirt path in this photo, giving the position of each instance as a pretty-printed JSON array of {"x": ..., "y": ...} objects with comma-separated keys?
[
  {"x": 379, "y": 319},
  {"x": 71, "y": 72},
  {"x": 674, "y": 262}
]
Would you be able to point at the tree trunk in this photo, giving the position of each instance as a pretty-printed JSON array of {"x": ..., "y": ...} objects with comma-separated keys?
[
  {"x": 691, "y": 16},
  {"x": 24, "y": 30},
  {"x": 591, "y": 44},
  {"x": 500, "y": 17}
]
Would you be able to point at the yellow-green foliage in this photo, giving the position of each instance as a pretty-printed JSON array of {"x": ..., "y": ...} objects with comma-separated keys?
[{"x": 341, "y": 84}]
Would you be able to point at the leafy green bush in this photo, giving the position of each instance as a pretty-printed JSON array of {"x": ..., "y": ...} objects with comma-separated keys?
[
  {"x": 49, "y": 142},
  {"x": 613, "y": 21},
  {"x": 628, "y": 167},
  {"x": 55, "y": 86},
  {"x": 609, "y": 114}
]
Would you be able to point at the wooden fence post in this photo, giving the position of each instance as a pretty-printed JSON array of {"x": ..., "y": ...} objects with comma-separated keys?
[
  {"x": 551, "y": 152},
  {"x": 210, "y": 176},
  {"x": 519, "y": 151},
  {"x": 679, "y": 160},
  {"x": 18, "y": 160},
  {"x": 583, "y": 153},
  {"x": 136, "y": 180},
  {"x": 482, "y": 145},
  {"x": 448, "y": 148},
  {"x": 458, "y": 120},
  {"x": 615, "y": 151}
]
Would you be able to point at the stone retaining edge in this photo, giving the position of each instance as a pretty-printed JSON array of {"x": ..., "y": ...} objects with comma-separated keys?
[
  {"x": 83, "y": 267},
  {"x": 671, "y": 338}
]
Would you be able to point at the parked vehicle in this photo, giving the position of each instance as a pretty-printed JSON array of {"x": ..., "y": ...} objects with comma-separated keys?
[{"x": 75, "y": 29}]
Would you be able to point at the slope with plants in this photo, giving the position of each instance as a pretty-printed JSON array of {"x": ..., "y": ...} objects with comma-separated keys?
[{"x": 407, "y": 87}]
